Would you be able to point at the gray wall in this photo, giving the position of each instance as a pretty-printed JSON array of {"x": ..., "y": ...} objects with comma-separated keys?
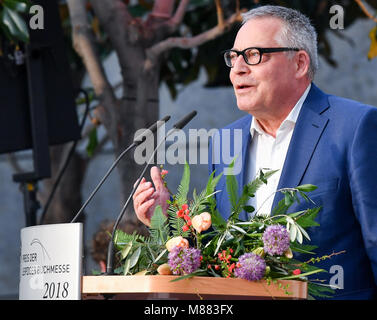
[{"x": 355, "y": 78}]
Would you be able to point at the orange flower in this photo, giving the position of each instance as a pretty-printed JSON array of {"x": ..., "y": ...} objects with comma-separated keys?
[
  {"x": 296, "y": 272},
  {"x": 180, "y": 213},
  {"x": 201, "y": 222},
  {"x": 164, "y": 269},
  {"x": 177, "y": 242}
]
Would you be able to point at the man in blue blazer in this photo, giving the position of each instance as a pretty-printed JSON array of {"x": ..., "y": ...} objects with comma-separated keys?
[
  {"x": 333, "y": 144},
  {"x": 309, "y": 136}
]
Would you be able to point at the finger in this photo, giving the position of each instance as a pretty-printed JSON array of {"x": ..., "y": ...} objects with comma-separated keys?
[
  {"x": 143, "y": 196},
  {"x": 142, "y": 181},
  {"x": 142, "y": 213},
  {"x": 141, "y": 188},
  {"x": 143, "y": 209},
  {"x": 156, "y": 178}
]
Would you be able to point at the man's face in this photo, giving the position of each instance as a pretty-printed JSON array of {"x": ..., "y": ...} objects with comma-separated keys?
[{"x": 261, "y": 88}]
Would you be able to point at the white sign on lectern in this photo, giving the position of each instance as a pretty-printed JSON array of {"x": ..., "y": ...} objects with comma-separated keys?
[{"x": 51, "y": 262}]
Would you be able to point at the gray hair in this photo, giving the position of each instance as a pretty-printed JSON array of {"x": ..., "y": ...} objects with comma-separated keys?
[{"x": 297, "y": 31}]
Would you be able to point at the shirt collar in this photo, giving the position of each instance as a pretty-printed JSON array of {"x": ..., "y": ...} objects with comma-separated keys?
[{"x": 291, "y": 118}]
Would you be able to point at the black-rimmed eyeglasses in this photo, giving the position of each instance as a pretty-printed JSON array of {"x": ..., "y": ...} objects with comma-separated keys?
[{"x": 252, "y": 56}]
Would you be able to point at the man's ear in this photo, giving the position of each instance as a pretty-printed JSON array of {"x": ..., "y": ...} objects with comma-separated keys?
[{"x": 302, "y": 63}]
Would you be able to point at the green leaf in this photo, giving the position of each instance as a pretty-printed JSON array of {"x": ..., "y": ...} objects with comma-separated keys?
[
  {"x": 212, "y": 182},
  {"x": 158, "y": 218},
  {"x": 281, "y": 208},
  {"x": 135, "y": 257},
  {"x": 232, "y": 187},
  {"x": 302, "y": 274},
  {"x": 121, "y": 238},
  {"x": 17, "y": 5},
  {"x": 293, "y": 233},
  {"x": 176, "y": 223},
  {"x": 160, "y": 255},
  {"x": 15, "y": 24},
  {"x": 219, "y": 242},
  {"x": 299, "y": 234},
  {"x": 308, "y": 249},
  {"x": 306, "y": 187},
  {"x": 126, "y": 250},
  {"x": 184, "y": 186},
  {"x": 254, "y": 185},
  {"x": 320, "y": 290},
  {"x": 126, "y": 266},
  {"x": 308, "y": 218},
  {"x": 198, "y": 272},
  {"x": 159, "y": 226},
  {"x": 249, "y": 209},
  {"x": 302, "y": 232},
  {"x": 238, "y": 229},
  {"x": 288, "y": 200},
  {"x": 218, "y": 222},
  {"x": 93, "y": 142}
]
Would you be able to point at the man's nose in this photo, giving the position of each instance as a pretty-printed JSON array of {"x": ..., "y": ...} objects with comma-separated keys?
[{"x": 240, "y": 66}]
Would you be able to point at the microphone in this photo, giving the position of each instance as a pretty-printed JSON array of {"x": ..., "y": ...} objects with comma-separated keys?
[
  {"x": 110, "y": 251},
  {"x": 181, "y": 123},
  {"x": 151, "y": 130}
]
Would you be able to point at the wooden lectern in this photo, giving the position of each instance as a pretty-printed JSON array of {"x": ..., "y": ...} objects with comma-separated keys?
[{"x": 207, "y": 288}]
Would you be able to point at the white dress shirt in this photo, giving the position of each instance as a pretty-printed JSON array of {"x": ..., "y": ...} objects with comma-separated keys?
[{"x": 268, "y": 153}]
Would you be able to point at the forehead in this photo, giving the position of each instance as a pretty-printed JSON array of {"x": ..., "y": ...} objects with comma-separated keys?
[{"x": 258, "y": 32}]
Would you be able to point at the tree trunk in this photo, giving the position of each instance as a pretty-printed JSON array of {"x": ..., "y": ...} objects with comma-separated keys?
[
  {"x": 67, "y": 199},
  {"x": 137, "y": 109}
]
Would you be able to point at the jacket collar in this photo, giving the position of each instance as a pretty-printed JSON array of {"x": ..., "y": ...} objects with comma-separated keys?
[{"x": 310, "y": 125}]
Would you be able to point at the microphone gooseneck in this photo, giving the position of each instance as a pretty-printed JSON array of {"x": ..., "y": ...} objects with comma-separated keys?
[
  {"x": 153, "y": 128},
  {"x": 110, "y": 251}
]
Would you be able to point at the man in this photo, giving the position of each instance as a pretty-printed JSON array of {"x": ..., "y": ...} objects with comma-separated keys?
[{"x": 311, "y": 137}]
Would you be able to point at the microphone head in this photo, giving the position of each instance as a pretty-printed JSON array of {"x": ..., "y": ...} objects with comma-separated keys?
[
  {"x": 180, "y": 124},
  {"x": 152, "y": 129}
]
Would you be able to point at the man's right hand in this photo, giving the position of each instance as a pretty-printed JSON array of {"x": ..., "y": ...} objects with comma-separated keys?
[{"x": 147, "y": 197}]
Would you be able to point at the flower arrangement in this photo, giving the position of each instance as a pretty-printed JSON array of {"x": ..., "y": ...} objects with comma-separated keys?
[{"x": 194, "y": 240}]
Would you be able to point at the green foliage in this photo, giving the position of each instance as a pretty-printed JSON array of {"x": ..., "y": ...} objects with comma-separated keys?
[
  {"x": 184, "y": 186},
  {"x": 232, "y": 187},
  {"x": 93, "y": 142},
  {"x": 176, "y": 224},
  {"x": 222, "y": 246},
  {"x": 319, "y": 290},
  {"x": 249, "y": 190},
  {"x": 159, "y": 229},
  {"x": 12, "y": 19}
]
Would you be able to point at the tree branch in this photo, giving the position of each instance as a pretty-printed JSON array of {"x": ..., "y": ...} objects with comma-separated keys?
[
  {"x": 188, "y": 42},
  {"x": 220, "y": 13},
  {"x": 83, "y": 42},
  {"x": 176, "y": 20},
  {"x": 365, "y": 10}
]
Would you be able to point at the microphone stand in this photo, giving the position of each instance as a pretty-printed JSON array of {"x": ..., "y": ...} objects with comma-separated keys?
[
  {"x": 135, "y": 143},
  {"x": 110, "y": 250}
]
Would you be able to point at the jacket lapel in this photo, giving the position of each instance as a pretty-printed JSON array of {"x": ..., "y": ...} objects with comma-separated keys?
[
  {"x": 245, "y": 151},
  {"x": 244, "y": 156},
  {"x": 309, "y": 128}
]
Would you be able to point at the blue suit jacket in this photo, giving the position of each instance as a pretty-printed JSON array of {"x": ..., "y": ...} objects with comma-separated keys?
[{"x": 333, "y": 146}]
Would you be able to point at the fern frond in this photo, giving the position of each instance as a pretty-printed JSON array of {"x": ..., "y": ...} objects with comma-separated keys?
[
  {"x": 176, "y": 223},
  {"x": 121, "y": 238},
  {"x": 159, "y": 229},
  {"x": 184, "y": 186}
]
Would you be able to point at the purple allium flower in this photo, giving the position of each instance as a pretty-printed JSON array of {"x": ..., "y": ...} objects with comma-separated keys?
[
  {"x": 250, "y": 266},
  {"x": 276, "y": 240},
  {"x": 184, "y": 260}
]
